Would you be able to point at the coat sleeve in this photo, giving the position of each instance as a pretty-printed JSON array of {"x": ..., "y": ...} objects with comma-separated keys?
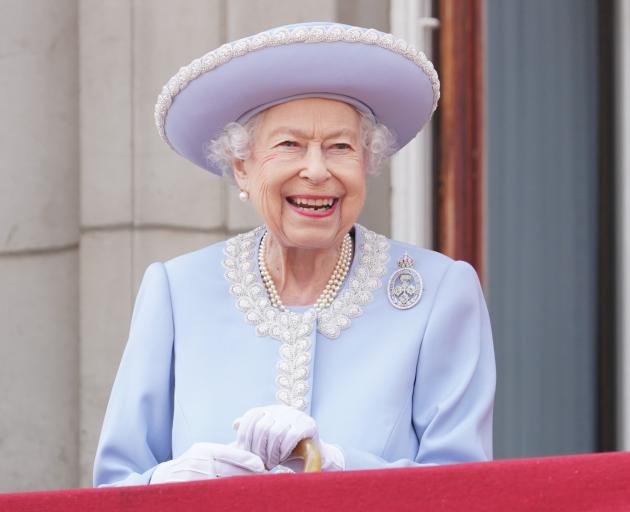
[
  {"x": 453, "y": 394},
  {"x": 136, "y": 433}
]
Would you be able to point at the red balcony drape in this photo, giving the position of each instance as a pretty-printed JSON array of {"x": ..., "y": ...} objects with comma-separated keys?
[{"x": 580, "y": 483}]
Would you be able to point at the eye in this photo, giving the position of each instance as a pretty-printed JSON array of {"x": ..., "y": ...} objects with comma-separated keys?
[
  {"x": 288, "y": 144},
  {"x": 340, "y": 146}
]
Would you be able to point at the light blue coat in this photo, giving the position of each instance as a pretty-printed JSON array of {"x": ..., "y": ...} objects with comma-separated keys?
[{"x": 390, "y": 387}]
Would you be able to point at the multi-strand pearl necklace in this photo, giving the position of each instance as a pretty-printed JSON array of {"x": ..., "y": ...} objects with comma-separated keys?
[{"x": 332, "y": 287}]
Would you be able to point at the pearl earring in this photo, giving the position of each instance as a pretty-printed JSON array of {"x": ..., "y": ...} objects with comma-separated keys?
[{"x": 243, "y": 195}]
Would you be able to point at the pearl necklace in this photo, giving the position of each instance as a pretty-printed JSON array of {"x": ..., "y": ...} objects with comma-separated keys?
[{"x": 332, "y": 287}]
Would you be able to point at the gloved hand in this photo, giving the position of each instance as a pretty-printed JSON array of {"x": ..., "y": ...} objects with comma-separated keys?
[
  {"x": 273, "y": 431},
  {"x": 203, "y": 461}
]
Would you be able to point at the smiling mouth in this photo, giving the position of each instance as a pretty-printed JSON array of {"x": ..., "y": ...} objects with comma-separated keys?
[{"x": 313, "y": 205}]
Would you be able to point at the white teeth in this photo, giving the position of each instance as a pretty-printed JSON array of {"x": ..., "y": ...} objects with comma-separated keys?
[{"x": 313, "y": 202}]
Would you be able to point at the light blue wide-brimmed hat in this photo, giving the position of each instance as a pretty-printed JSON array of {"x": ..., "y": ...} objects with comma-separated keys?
[{"x": 368, "y": 69}]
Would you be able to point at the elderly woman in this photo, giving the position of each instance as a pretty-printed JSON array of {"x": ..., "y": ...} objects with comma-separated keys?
[{"x": 310, "y": 326}]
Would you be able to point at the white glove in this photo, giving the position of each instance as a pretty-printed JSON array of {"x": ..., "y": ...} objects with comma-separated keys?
[
  {"x": 203, "y": 461},
  {"x": 272, "y": 432}
]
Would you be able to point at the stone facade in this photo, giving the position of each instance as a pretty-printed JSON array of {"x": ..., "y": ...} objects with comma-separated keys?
[
  {"x": 39, "y": 245},
  {"x": 89, "y": 196}
]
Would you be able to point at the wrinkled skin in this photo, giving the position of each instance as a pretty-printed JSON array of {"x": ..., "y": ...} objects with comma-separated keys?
[{"x": 305, "y": 147}]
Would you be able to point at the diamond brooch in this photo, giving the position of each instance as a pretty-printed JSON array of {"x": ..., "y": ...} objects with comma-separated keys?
[{"x": 405, "y": 284}]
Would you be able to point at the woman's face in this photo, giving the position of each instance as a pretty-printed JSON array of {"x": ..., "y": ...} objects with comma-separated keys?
[{"x": 307, "y": 171}]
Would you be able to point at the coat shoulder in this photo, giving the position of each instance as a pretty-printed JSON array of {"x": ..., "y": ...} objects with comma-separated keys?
[
  {"x": 423, "y": 258},
  {"x": 207, "y": 262},
  {"x": 211, "y": 254}
]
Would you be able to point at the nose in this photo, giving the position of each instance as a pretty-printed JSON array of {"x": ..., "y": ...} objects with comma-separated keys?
[{"x": 315, "y": 168}]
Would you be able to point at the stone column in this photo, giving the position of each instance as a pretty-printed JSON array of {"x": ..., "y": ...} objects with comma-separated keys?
[
  {"x": 39, "y": 232},
  {"x": 106, "y": 288},
  {"x": 140, "y": 202}
]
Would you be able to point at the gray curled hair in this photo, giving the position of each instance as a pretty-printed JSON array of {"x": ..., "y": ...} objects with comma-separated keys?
[{"x": 235, "y": 142}]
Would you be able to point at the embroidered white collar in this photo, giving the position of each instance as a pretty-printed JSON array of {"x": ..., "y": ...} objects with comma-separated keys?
[{"x": 294, "y": 329}]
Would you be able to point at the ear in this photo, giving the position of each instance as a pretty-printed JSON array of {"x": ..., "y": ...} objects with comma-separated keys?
[{"x": 240, "y": 173}]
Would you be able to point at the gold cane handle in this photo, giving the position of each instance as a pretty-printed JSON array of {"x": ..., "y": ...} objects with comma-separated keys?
[{"x": 308, "y": 450}]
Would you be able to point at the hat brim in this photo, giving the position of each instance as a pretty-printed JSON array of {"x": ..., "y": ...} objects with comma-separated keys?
[{"x": 399, "y": 93}]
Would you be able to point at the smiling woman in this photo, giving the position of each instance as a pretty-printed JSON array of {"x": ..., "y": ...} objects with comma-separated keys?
[
  {"x": 319, "y": 158},
  {"x": 306, "y": 174},
  {"x": 242, "y": 349}
]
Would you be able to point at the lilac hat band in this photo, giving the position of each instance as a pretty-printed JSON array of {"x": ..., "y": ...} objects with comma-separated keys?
[
  {"x": 370, "y": 70},
  {"x": 326, "y": 95}
]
